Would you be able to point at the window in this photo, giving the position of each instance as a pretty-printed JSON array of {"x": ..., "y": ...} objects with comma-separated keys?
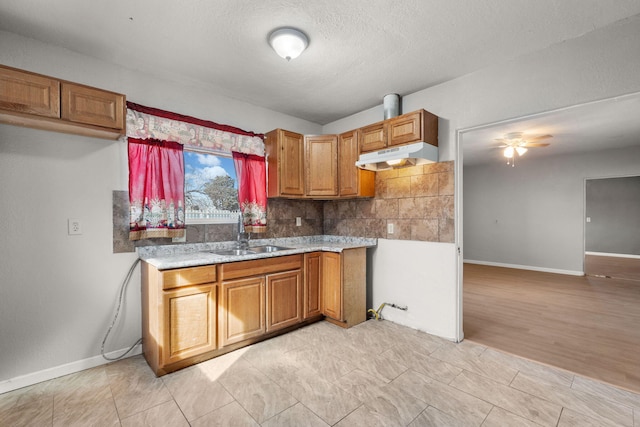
[{"x": 211, "y": 188}]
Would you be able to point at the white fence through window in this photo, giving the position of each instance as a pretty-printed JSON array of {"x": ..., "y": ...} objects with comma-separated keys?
[{"x": 210, "y": 216}]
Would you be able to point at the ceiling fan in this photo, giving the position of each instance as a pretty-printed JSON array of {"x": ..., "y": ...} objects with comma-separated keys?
[{"x": 518, "y": 143}]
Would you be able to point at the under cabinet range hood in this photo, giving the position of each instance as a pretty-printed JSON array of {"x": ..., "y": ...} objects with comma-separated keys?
[{"x": 418, "y": 153}]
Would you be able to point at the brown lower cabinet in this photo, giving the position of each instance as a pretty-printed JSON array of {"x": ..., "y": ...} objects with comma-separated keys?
[
  {"x": 343, "y": 282},
  {"x": 284, "y": 299},
  {"x": 312, "y": 301},
  {"x": 193, "y": 314},
  {"x": 190, "y": 324},
  {"x": 241, "y": 310}
]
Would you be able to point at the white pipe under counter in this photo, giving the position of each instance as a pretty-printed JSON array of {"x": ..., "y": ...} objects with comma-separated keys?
[{"x": 167, "y": 257}]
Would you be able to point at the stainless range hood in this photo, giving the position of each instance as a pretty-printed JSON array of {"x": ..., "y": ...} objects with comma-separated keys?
[{"x": 418, "y": 153}]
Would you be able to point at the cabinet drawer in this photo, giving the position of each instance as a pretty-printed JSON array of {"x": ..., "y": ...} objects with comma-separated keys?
[
  {"x": 86, "y": 105},
  {"x": 234, "y": 270},
  {"x": 188, "y": 276},
  {"x": 29, "y": 93}
]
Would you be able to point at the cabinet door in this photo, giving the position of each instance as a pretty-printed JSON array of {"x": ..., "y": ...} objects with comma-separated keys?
[
  {"x": 28, "y": 93},
  {"x": 241, "y": 310},
  {"x": 312, "y": 298},
  {"x": 353, "y": 181},
  {"x": 406, "y": 128},
  {"x": 284, "y": 299},
  {"x": 189, "y": 322},
  {"x": 291, "y": 164},
  {"x": 373, "y": 137},
  {"x": 322, "y": 165},
  {"x": 332, "y": 286},
  {"x": 86, "y": 105}
]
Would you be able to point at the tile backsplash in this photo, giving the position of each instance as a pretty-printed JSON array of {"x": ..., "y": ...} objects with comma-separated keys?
[
  {"x": 418, "y": 201},
  {"x": 281, "y": 220}
]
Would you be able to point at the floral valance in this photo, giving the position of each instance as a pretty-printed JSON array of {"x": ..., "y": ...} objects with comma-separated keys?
[{"x": 152, "y": 123}]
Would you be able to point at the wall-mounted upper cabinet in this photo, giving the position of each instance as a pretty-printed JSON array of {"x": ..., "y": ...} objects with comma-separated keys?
[
  {"x": 285, "y": 163},
  {"x": 373, "y": 137},
  {"x": 87, "y": 105},
  {"x": 29, "y": 93},
  {"x": 353, "y": 181},
  {"x": 412, "y": 127},
  {"x": 321, "y": 165},
  {"x": 42, "y": 102}
]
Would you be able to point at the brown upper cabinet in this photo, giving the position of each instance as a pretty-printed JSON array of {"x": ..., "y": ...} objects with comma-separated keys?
[
  {"x": 373, "y": 137},
  {"x": 315, "y": 166},
  {"x": 42, "y": 102},
  {"x": 285, "y": 163},
  {"x": 353, "y": 181},
  {"x": 321, "y": 165},
  {"x": 416, "y": 126}
]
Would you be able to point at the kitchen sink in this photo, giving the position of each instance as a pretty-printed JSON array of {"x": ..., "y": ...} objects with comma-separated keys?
[
  {"x": 253, "y": 250},
  {"x": 233, "y": 252},
  {"x": 268, "y": 248}
]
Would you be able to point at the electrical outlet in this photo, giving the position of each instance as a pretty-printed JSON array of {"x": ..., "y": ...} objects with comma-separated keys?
[
  {"x": 390, "y": 228},
  {"x": 298, "y": 221},
  {"x": 74, "y": 227}
]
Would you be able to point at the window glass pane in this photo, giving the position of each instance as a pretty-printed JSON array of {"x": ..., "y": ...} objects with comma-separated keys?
[{"x": 211, "y": 188}]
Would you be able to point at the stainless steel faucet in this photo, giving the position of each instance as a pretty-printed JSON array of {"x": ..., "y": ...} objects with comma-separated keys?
[{"x": 242, "y": 237}]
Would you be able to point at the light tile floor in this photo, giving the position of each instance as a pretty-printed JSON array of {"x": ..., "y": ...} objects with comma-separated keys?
[{"x": 375, "y": 374}]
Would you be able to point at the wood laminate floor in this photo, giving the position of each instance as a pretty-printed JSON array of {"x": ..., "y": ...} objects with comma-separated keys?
[{"x": 588, "y": 325}]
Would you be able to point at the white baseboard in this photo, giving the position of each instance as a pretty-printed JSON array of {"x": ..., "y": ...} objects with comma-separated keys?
[
  {"x": 613, "y": 255},
  {"x": 62, "y": 370},
  {"x": 526, "y": 267}
]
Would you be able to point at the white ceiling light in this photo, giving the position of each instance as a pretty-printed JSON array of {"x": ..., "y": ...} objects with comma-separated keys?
[
  {"x": 289, "y": 43},
  {"x": 516, "y": 142},
  {"x": 508, "y": 152}
]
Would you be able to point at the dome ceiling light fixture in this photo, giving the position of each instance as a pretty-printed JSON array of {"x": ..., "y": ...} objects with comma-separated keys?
[{"x": 288, "y": 42}]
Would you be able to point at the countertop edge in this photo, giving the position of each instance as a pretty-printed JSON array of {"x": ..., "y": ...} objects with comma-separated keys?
[{"x": 200, "y": 254}]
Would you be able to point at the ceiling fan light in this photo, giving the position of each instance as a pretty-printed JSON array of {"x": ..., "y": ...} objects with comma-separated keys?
[
  {"x": 521, "y": 151},
  {"x": 508, "y": 152},
  {"x": 288, "y": 43}
]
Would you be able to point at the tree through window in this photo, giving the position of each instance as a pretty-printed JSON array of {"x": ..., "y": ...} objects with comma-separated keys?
[{"x": 211, "y": 188}]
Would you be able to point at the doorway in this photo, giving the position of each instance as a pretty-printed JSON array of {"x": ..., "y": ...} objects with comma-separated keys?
[
  {"x": 542, "y": 231},
  {"x": 612, "y": 227}
]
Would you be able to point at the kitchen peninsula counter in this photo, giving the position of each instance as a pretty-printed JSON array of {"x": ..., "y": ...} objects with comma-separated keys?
[{"x": 167, "y": 257}]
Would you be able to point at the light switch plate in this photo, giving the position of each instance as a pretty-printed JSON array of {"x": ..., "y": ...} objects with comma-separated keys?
[
  {"x": 390, "y": 228},
  {"x": 298, "y": 221}
]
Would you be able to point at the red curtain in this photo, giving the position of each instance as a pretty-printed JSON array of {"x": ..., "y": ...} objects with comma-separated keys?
[
  {"x": 156, "y": 189},
  {"x": 252, "y": 191}
]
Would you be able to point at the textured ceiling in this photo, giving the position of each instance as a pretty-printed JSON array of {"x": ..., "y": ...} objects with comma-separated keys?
[{"x": 359, "y": 50}]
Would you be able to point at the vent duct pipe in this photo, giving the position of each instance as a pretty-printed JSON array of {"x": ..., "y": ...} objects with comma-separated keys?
[{"x": 391, "y": 105}]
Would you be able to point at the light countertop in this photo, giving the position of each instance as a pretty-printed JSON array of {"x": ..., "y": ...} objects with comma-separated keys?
[{"x": 196, "y": 254}]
